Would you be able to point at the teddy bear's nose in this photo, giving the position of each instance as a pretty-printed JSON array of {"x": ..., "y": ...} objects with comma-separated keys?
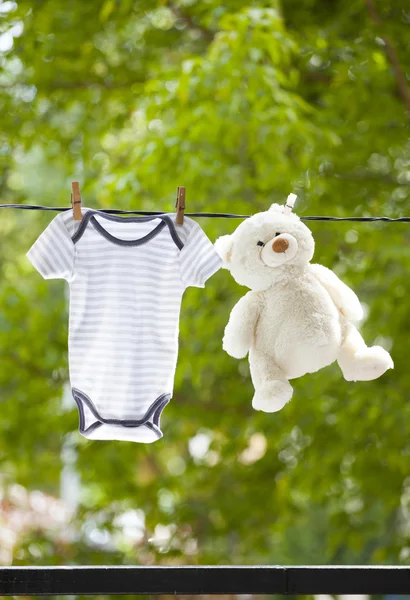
[{"x": 280, "y": 245}]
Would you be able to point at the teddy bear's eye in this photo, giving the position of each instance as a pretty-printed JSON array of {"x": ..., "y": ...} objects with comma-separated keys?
[
  {"x": 260, "y": 243},
  {"x": 277, "y": 233}
]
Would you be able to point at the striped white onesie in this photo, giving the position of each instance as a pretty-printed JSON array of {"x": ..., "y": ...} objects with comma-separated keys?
[{"x": 127, "y": 277}]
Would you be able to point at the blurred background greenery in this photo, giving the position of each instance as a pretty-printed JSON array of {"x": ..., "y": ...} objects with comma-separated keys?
[{"x": 242, "y": 102}]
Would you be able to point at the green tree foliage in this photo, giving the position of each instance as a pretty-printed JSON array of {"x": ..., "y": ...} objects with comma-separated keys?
[{"x": 241, "y": 102}]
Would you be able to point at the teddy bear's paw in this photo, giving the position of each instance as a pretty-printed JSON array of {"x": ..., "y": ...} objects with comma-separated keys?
[
  {"x": 234, "y": 347},
  {"x": 367, "y": 364},
  {"x": 272, "y": 396}
]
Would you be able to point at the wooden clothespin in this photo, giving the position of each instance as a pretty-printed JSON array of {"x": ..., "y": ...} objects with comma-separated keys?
[
  {"x": 180, "y": 205},
  {"x": 76, "y": 200}
]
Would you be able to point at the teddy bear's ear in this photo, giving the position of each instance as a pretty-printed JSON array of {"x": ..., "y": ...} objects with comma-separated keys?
[{"x": 223, "y": 246}]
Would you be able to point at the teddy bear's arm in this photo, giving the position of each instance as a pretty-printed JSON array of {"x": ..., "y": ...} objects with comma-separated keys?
[
  {"x": 239, "y": 332},
  {"x": 344, "y": 298}
]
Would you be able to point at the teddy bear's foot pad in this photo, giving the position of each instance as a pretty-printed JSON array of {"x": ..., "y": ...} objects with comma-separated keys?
[
  {"x": 272, "y": 396},
  {"x": 366, "y": 364}
]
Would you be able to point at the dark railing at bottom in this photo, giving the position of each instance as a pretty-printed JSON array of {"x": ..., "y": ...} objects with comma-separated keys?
[{"x": 193, "y": 580}]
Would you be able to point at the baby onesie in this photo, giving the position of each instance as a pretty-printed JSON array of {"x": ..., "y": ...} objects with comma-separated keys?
[{"x": 127, "y": 276}]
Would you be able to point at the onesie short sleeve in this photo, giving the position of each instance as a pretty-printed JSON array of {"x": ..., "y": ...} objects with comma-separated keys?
[
  {"x": 198, "y": 258},
  {"x": 52, "y": 254}
]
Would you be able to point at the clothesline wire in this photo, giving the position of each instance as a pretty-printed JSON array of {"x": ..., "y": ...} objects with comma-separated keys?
[{"x": 116, "y": 211}]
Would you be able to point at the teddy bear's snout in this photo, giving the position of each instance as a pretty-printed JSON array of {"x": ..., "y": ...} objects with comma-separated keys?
[
  {"x": 278, "y": 250},
  {"x": 280, "y": 245}
]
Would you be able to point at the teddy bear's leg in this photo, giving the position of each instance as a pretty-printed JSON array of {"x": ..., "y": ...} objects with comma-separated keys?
[
  {"x": 359, "y": 362},
  {"x": 272, "y": 389}
]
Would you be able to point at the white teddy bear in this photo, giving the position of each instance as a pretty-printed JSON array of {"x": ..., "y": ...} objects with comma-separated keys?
[{"x": 297, "y": 318}]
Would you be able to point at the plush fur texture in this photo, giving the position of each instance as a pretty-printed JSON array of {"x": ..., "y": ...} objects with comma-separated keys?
[{"x": 297, "y": 318}]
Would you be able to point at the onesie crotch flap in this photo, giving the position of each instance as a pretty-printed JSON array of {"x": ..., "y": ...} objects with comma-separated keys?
[{"x": 95, "y": 427}]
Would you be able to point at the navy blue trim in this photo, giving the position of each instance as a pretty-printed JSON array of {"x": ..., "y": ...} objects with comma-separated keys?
[
  {"x": 120, "y": 242},
  {"x": 89, "y": 216},
  {"x": 155, "y": 409}
]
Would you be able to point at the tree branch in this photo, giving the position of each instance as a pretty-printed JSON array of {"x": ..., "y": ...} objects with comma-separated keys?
[
  {"x": 73, "y": 85},
  {"x": 207, "y": 33},
  {"x": 30, "y": 367},
  {"x": 392, "y": 56},
  {"x": 367, "y": 176}
]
